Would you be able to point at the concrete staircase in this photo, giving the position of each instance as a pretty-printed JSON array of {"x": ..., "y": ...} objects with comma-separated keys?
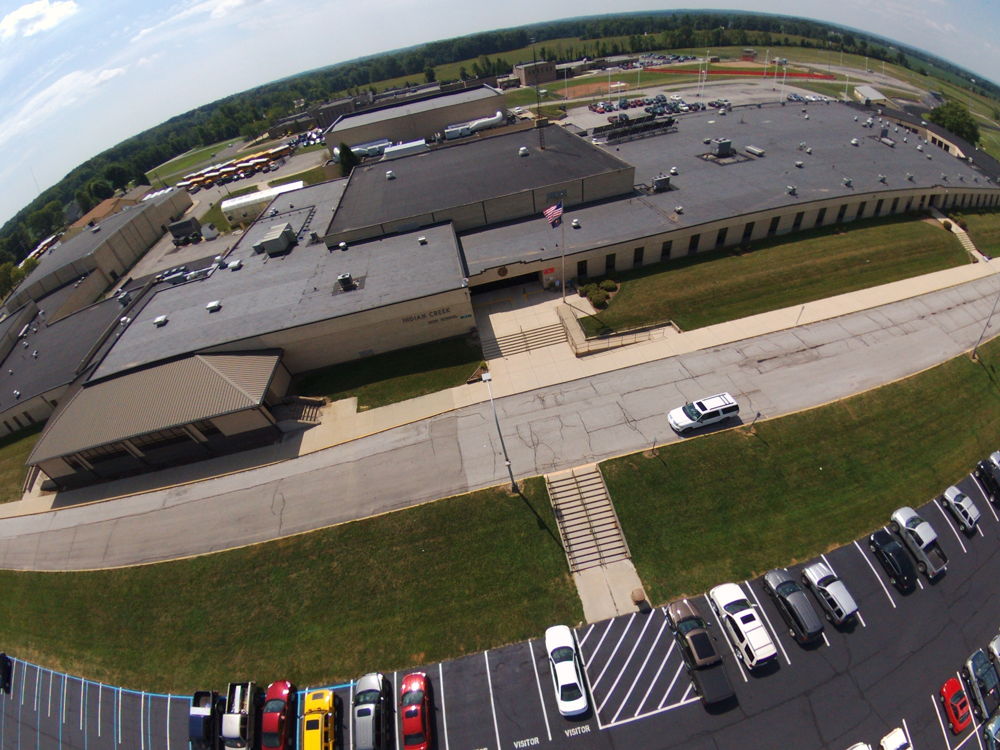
[
  {"x": 588, "y": 524},
  {"x": 523, "y": 341},
  {"x": 961, "y": 234}
]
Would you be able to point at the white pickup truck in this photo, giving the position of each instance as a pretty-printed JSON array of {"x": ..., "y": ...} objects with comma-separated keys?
[{"x": 921, "y": 539}]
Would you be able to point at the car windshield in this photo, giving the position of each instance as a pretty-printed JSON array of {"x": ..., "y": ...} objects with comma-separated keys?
[
  {"x": 958, "y": 699},
  {"x": 570, "y": 692},
  {"x": 686, "y": 626},
  {"x": 562, "y": 653},
  {"x": 312, "y": 725},
  {"x": 413, "y": 697},
  {"x": 913, "y": 521},
  {"x": 826, "y": 581},
  {"x": 274, "y": 706},
  {"x": 691, "y": 412},
  {"x": 366, "y": 696},
  {"x": 787, "y": 588},
  {"x": 417, "y": 738},
  {"x": 738, "y": 606}
]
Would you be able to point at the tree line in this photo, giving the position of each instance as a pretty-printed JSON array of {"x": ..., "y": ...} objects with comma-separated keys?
[{"x": 249, "y": 113}]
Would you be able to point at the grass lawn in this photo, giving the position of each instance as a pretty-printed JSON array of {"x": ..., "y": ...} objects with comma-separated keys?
[
  {"x": 422, "y": 584},
  {"x": 309, "y": 177},
  {"x": 983, "y": 229},
  {"x": 14, "y": 450},
  {"x": 722, "y": 285},
  {"x": 215, "y": 216},
  {"x": 396, "y": 376},
  {"x": 805, "y": 483},
  {"x": 173, "y": 170}
]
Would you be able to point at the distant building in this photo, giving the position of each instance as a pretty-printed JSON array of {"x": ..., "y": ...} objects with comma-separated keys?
[
  {"x": 748, "y": 55},
  {"x": 534, "y": 73},
  {"x": 870, "y": 95}
]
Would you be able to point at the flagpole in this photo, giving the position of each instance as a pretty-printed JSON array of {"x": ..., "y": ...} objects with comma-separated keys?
[{"x": 562, "y": 227}]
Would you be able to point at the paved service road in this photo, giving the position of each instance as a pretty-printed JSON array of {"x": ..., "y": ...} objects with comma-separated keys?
[
  {"x": 858, "y": 683},
  {"x": 545, "y": 430}
]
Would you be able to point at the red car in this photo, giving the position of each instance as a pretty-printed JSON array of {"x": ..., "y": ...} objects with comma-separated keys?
[
  {"x": 415, "y": 712},
  {"x": 956, "y": 705},
  {"x": 278, "y": 721}
]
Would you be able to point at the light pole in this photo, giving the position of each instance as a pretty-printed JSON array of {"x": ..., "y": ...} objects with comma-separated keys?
[{"x": 487, "y": 377}]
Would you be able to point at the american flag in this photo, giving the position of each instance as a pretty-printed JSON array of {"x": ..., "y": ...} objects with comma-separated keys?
[{"x": 553, "y": 214}]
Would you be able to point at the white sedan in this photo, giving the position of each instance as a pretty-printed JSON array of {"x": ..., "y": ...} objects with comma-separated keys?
[
  {"x": 567, "y": 676},
  {"x": 742, "y": 625}
]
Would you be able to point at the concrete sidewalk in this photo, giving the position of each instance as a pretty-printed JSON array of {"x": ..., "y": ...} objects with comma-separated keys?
[{"x": 519, "y": 373}]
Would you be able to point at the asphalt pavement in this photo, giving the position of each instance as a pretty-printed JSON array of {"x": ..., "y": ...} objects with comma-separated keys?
[{"x": 548, "y": 429}]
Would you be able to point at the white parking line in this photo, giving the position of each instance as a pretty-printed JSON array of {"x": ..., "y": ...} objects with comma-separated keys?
[
  {"x": 601, "y": 639},
  {"x": 395, "y": 693},
  {"x": 22, "y": 685},
  {"x": 920, "y": 584},
  {"x": 986, "y": 498},
  {"x": 657, "y": 675},
  {"x": 625, "y": 665},
  {"x": 671, "y": 685},
  {"x": 906, "y": 731},
  {"x": 875, "y": 573},
  {"x": 350, "y": 702},
  {"x": 444, "y": 716},
  {"x": 52, "y": 676},
  {"x": 493, "y": 707},
  {"x": 937, "y": 713},
  {"x": 587, "y": 634},
  {"x": 62, "y": 706},
  {"x": 663, "y": 710},
  {"x": 823, "y": 633},
  {"x": 950, "y": 526},
  {"x": 83, "y": 693},
  {"x": 621, "y": 638},
  {"x": 645, "y": 661},
  {"x": 99, "y": 697},
  {"x": 687, "y": 692},
  {"x": 979, "y": 528},
  {"x": 830, "y": 565},
  {"x": 142, "y": 733},
  {"x": 38, "y": 680},
  {"x": 119, "y": 716},
  {"x": 768, "y": 621},
  {"x": 538, "y": 682}
]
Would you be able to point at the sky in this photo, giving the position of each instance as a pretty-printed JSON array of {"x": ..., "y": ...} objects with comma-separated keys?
[{"x": 78, "y": 76}]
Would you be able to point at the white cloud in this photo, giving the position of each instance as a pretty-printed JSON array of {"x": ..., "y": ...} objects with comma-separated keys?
[
  {"x": 44, "y": 104},
  {"x": 213, "y": 9},
  {"x": 33, "y": 18}
]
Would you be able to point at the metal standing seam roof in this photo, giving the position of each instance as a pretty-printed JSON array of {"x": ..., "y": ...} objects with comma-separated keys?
[{"x": 157, "y": 398}]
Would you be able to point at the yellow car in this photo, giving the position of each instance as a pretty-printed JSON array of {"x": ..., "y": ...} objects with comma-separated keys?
[{"x": 318, "y": 721}]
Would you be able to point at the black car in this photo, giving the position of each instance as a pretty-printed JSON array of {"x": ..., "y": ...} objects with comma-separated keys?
[
  {"x": 988, "y": 475},
  {"x": 894, "y": 560}
]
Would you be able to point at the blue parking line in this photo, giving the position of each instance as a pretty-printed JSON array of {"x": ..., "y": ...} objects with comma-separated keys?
[{"x": 19, "y": 705}]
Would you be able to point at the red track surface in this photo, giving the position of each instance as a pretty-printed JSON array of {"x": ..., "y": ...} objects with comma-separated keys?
[{"x": 731, "y": 72}]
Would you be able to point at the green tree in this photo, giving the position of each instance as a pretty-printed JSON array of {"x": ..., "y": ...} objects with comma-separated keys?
[
  {"x": 100, "y": 189},
  {"x": 348, "y": 160},
  {"x": 954, "y": 117},
  {"x": 117, "y": 174},
  {"x": 84, "y": 199},
  {"x": 429, "y": 75}
]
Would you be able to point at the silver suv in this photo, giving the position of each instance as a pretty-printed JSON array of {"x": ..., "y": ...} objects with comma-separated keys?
[
  {"x": 831, "y": 593},
  {"x": 370, "y": 712},
  {"x": 703, "y": 412}
]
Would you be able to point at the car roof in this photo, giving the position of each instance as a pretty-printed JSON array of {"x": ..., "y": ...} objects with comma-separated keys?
[
  {"x": 319, "y": 700},
  {"x": 715, "y": 402},
  {"x": 839, "y": 592}
]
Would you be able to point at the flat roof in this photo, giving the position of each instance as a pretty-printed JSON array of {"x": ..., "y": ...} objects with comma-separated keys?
[
  {"x": 464, "y": 173},
  {"x": 414, "y": 106},
  {"x": 273, "y": 294},
  {"x": 869, "y": 92},
  {"x": 249, "y": 199},
  {"x": 709, "y": 191},
  {"x": 157, "y": 398},
  {"x": 61, "y": 348}
]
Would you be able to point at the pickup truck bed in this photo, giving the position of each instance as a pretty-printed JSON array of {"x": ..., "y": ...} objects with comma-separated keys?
[{"x": 711, "y": 683}]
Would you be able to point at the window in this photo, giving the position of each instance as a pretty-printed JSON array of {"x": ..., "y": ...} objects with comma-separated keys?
[
  {"x": 609, "y": 262},
  {"x": 923, "y": 200},
  {"x": 861, "y": 209},
  {"x": 581, "y": 269},
  {"x": 693, "y": 244},
  {"x": 748, "y": 231},
  {"x": 720, "y": 238},
  {"x": 909, "y": 205},
  {"x": 30, "y": 419},
  {"x": 895, "y": 206},
  {"x": 665, "y": 249},
  {"x": 820, "y": 217},
  {"x": 878, "y": 207},
  {"x": 5, "y": 424},
  {"x": 19, "y": 425},
  {"x": 842, "y": 212},
  {"x": 797, "y": 224},
  {"x": 773, "y": 228},
  {"x": 637, "y": 256}
]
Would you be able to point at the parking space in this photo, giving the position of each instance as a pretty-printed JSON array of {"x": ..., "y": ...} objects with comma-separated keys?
[{"x": 466, "y": 692}]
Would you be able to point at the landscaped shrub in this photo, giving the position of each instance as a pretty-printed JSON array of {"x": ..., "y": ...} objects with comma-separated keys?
[
  {"x": 962, "y": 224},
  {"x": 609, "y": 285},
  {"x": 598, "y": 298},
  {"x": 947, "y": 225},
  {"x": 586, "y": 289}
]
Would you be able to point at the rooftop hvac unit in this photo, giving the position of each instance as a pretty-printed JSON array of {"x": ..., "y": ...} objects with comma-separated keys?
[
  {"x": 678, "y": 209},
  {"x": 523, "y": 151},
  {"x": 342, "y": 245},
  {"x": 575, "y": 223},
  {"x": 809, "y": 149},
  {"x": 755, "y": 150},
  {"x": 346, "y": 282},
  {"x": 160, "y": 320},
  {"x": 909, "y": 177},
  {"x": 855, "y": 142},
  {"x": 848, "y": 181},
  {"x": 121, "y": 321},
  {"x": 17, "y": 394},
  {"x": 798, "y": 164},
  {"x": 920, "y": 147},
  {"x": 34, "y": 354},
  {"x": 313, "y": 238},
  {"x": 792, "y": 190},
  {"x": 422, "y": 240},
  {"x": 722, "y": 147},
  {"x": 235, "y": 265},
  {"x": 390, "y": 175},
  {"x": 214, "y": 306},
  {"x": 673, "y": 171},
  {"x": 661, "y": 183},
  {"x": 881, "y": 178}
]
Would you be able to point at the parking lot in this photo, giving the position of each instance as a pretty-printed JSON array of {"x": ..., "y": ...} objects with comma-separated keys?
[{"x": 855, "y": 684}]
